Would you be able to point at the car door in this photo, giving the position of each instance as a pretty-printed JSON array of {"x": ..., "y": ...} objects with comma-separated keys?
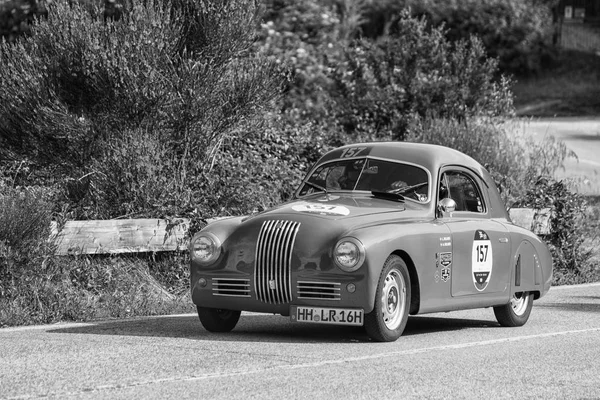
[{"x": 480, "y": 246}]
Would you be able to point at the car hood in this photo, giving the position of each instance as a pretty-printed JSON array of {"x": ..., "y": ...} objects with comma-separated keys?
[
  {"x": 337, "y": 207},
  {"x": 314, "y": 222}
]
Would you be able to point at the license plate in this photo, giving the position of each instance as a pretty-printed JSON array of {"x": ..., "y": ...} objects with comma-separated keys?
[{"x": 320, "y": 315}]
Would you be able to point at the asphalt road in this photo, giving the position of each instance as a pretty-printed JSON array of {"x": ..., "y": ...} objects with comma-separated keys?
[
  {"x": 582, "y": 136},
  {"x": 463, "y": 354}
]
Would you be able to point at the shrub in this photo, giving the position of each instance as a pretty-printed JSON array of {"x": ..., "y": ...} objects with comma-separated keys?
[
  {"x": 381, "y": 87},
  {"x": 82, "y": 93},
  {"x": 25, "y": 215},
  {"x": 95, "y": 287},
  {"x": 364, "y": 90},
  {"x": 513, "y": 159},
  {"x": 16, "y": 17},
  {"x": 567, "y": 238},
  {"x": 518, "y": 33}
]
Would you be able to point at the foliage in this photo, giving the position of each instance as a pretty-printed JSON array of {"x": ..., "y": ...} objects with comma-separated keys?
[
  {"x": 84, "y": 288},
  {"x": 518, "y": 33},
  {"x": 381, "y": 87},
  {"x": 568, "y": 212},
  {"x": 16, "y": 17},
  {"x": 513, "y": 159},
  {"x": 25, "y": 215},
  {"x": 87, "y": 94},
  {"x": 359, "y": 89}
]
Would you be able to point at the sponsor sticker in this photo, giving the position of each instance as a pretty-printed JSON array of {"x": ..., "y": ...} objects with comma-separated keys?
[
  {"x": 444, "y": 263},
  {"x": 321, "y": 209},
  {"x": 482, "y": 260}
]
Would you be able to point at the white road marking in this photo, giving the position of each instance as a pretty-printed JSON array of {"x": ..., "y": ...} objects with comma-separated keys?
[
  {"x": 590, "y": 162},
  {"x": 583, "y": 285},
  {"x": 311, "y": 365}
]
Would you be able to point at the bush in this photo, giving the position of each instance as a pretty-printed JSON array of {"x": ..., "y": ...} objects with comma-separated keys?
[
  {"x": 85, "y": 288},
  {"x": 25, "y": 215},
  {"x": 567, "y": 237},
  {"x": 372, "y": 90},
  {"x": 86, "y": 94},
  {"x": 381, "y": 87},
  {"x": 518, "y": 33},
  {"x": 16, "y": 17},
  {"x": 513, "y": 159}
]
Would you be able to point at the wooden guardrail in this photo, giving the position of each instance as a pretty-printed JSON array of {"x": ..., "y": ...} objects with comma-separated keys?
[
  {"x": 121, "y": 236},
  {"x": 537, "y": 221},
  {"x": 154, "y": 235}
]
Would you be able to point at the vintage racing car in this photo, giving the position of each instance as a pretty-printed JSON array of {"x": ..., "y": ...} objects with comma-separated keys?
[{"x": 376, "y": 231}]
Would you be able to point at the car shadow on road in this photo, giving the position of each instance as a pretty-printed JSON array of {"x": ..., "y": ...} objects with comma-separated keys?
[{"x": 261, "y": 328}]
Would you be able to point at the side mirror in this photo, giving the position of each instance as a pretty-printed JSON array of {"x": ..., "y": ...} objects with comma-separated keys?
[{"x": 446, "y": 205}]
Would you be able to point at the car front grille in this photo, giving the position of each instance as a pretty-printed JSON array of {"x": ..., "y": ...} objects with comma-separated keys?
[
  {"x": 272, "y": 275},
  {"x": 319, "y": 290},
  {"x": 231, "y": 287}
]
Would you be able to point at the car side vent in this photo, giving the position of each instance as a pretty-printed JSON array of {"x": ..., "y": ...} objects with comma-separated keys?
[
  {"x": 319, "y": 290},
  {"x": 272, "y": 275},
  {"x": 231, "y": 287}
]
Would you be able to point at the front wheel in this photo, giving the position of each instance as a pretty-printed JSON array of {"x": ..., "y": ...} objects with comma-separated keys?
[
  {"x": 392, "y": 301},
  {"x": 516, "y": 312},
  {"x": 218, "y": 320}
]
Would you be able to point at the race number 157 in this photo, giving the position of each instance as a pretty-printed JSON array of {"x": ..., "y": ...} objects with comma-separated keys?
[
  {"x": 352, "y": 152},
  {"x": 481, "y": 253}
]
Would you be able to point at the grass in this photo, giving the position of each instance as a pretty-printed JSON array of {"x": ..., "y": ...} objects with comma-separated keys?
[
  {"x": 83, "y": 288},
  {"x": 568, "y": 86}
]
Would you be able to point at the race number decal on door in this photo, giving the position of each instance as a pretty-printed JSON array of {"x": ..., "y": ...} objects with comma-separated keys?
[{"x": 482, "y": 260}]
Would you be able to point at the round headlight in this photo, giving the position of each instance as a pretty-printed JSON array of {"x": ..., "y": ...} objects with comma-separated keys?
[
  {"x": 206, "y": 248},
  {"x": 349, "y": 254}
]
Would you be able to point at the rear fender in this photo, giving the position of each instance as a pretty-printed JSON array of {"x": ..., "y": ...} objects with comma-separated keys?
[{"x": 527, "y": 275}]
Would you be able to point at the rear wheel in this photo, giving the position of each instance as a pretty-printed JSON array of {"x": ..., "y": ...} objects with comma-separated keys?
[
  {"x": 218, "y": 320},
  {"x": 392, "y": 301},
  {"x": 516, "y": 312}
]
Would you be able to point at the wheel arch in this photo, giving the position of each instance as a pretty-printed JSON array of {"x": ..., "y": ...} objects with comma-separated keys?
[{"x": 415, "y": 292}]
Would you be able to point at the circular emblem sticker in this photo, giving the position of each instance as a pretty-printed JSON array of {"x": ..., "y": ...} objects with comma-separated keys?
[
  {"x": 321, "y": 209},
  {"x": 482, "y": 260}
]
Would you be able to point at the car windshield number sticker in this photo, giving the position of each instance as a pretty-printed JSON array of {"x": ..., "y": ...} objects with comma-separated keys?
[
  {"x": 321, "y": 209},
  {"x": 352, "y": 152},
  {"x": 482, "y": 261}
]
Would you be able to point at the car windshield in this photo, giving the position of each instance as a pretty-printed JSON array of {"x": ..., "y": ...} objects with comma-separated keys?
[{"x": 367, "y": 174}]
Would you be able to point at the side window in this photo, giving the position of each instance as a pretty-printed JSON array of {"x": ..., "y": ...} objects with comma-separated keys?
[{"x": 461, "y": 188}]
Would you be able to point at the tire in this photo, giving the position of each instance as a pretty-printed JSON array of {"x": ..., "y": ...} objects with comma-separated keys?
[
  {"x": 392, "y": 302},
  {"x": 516, "y": 312},
  {"x": 218, "y": 320}
]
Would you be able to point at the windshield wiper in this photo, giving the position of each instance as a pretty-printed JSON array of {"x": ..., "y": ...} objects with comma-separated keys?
[
  {"x": 319, "y": 187},
  {"x": 387, "y": 195},
  {"x": 408, "y": 188}
]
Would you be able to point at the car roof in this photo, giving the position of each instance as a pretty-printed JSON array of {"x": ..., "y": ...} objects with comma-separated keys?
[{"x": 429, "y": 156}]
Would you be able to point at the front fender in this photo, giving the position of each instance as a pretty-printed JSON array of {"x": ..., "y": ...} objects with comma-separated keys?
[{"x": 421, "y": 241}]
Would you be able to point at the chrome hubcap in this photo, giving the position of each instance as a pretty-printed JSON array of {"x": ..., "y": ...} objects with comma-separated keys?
[
  {"x": 393, "y": 299},
  {"x": 519, "y": 302}
]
